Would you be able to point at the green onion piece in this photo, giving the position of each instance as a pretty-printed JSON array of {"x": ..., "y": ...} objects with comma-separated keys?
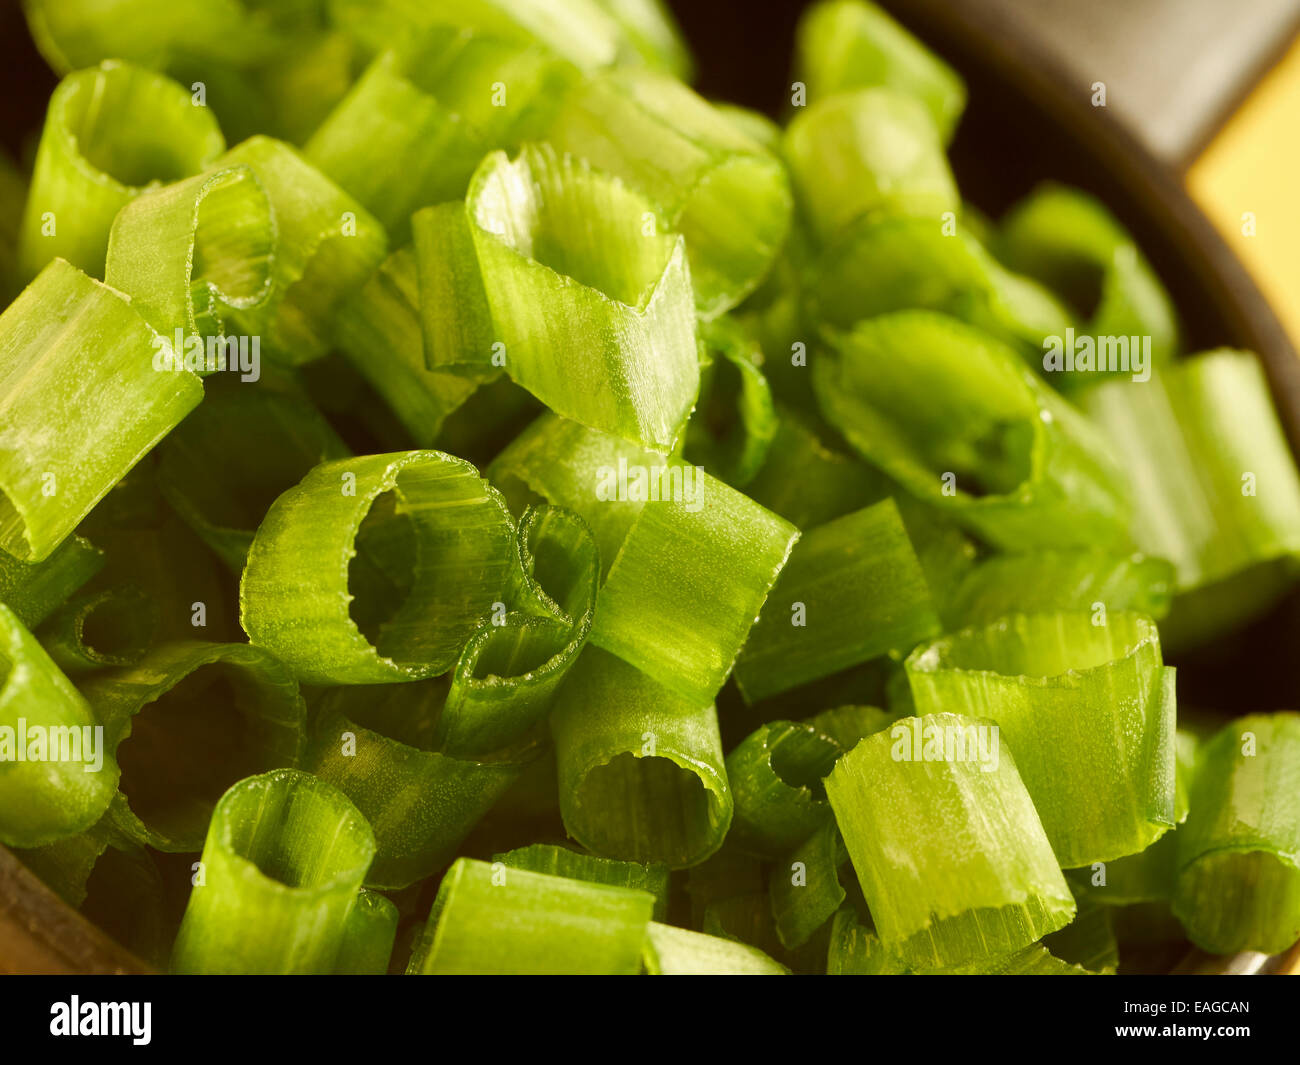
[
  {"x": 956, "y": 419},
  {"x": 508, "y": 673},
  {"x": 454, "y": 543},
  {"x": 1068, "y": 240},
  {"x": 1088, "y": 941},
  {"x": 724, "y": 552},
  {"x": 743, "y": 918},
  {"x": 980, "y": 878},
  {"x": 883, "y": 264},
  {"x": 707, "y": 180},
  {"x": 1215, "y": 487},
  {"x": 301, "y": 88},
  {"x": 492, "y": 919},
  {"x": 114, "y": 627},
  {"x": 1042, "y": 582},
  {"x": 568, "y": 288},
  {"x": 376, "y": 746},
  {"x": 66, "y": 865},
  {"x": 367, "y": 937},
  {"x": 57, "y": 772},
  {"x": 641, "y": 770},
  {"x": 805, "y": 888},
  {"x": 652, "y": 35},
  {"x": 1087, "y": 706},
  {"x": 736, "y": 421},
  {"x": 282, "y": 867},
  {"x": 847, "y": 44},
  {"x": 868, "y": 152},
  {"x": 378, "y": 331},
  {"x": 252, "y": 444},
  {"x": 185, "y": 723},
  {"x": 671, "y": 951},
  {"x": 853, "y": 590},
  {"x": 32, "y": 590},
  {"x": 776, "y": 780},
  {"x": 110, "y": 410},
  {"x": 1239, "y": 852},
  {"x": 111, "y": 132},
  {"x": 189, "y": 253},
  {"x": 327, "y": 246},
  {"x": 728, "y": 873},
  {"x": 434, "y": 105},
  {"x": 561, "y": 861}
]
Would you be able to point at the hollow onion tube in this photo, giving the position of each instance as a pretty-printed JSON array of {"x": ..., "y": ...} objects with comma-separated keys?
[
  {"x": 980, "y": 878},
  {"x": 32, "y": 590},
  {"x": 562, "y": 861},
  {"x": 641, "y": 771},
  {"x": 1087, "y": 706},
  {"x": 57, "y": 774},
  {"x": 71, "y": 427},
  {"x": 492, "y": 919},
  {"x": 185, "y": 723},
  {"x": 190, "y": 252},
  {"x": 112, "y": 627},
  {"x": 1216, "y": 490},
  {"x": 671, "y": 951},
  {"x": 508, "y": 673},
  {"x": 853, "y": 589},
  {"x": 111, "y": 132},
  {"x": 453, "y": 543},
  {"x": 869, "y": 151},
  {"x": 1069, "y": 241},
  {"x": 847, "y": 44},
  {"x": 282, "y": 866},
  {"x": 378, "y": 332},
  {"x": 722, "y": 552},
  {"x": 549, "y": 272},
  {"x": 327, "y": 246},
  {"x": 252, "y": 444},
  {"x": 433, "y": 106},
  {"x": 368, "y": 936},
  {"x": 726, "y": 194},
  {"x": 956, "y": 419},
  {"x": 1238, "y": 882}
]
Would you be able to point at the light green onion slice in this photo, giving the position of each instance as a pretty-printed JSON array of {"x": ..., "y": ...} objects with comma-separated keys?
[
  {"x": 848, "y": 44},
  {"x": 1041, "y": 582},
  {"x": 33, "y": 590},
  {"x": 449, "y": 538},
  {"x": 562, "y": 861},
  {"x": 111, "y": 132},
  {"x": 493, "y": 919},
  {"x": 327, "y": 246},
  {"x": 723, "y": 552},
  {"x": 1088, "y": 708},
  {"x": 508, "y": 673},
  {"x": 853, "y": 590},
  {"x": 282, "y": 867},
  {"x": 641, "y": 771},
  {"x": 868, "y": 152},
  {"x": 185, "y": 723},
  {"x": 557, "y": 274},
  {"x": 956, "y": 419},
  {"x": 671, "y": 951},
  {"x": 57, "y": 770},
  {"x": 433, "y": 106},
  {"x": 1066, "y": 239},
  {"x": 111, "y": 409},
  {"x": 113, "y": 627},
  {"x": 1239, "y": 852},
  {"x": 251, "y": 444},
  {"x": 981, "y": 878},
  {"x": 190, "y": 252},
  {"x": 376, "y": 747},
  {"x": 651, "y": 35},
  {"x": 368, "y": 936},
  {"x": 706, "y": 179},
  {"x": 1215, "y": 487},
  {"x": 378, "y": 331}
]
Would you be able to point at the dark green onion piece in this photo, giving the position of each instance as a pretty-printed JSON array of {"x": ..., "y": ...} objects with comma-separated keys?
[
  {"x": 492, "y": 919},
  {"x": 282, "y": 867},
  {"x": 805, "y": 888},
  {"x": 32, "y": 590},
  {"x": 114, "y": 627},
  {"x": 562, "y": 861}
]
